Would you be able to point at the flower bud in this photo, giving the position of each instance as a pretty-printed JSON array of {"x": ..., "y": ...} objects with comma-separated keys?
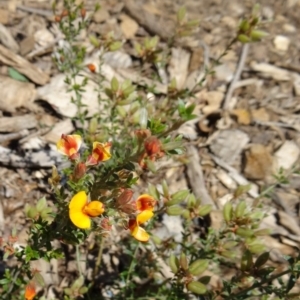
[
  {"x": 83, "y": 12},
  {"x": 91, "y": 67},
  {"x": 105, "y": 224},
  {"x": 152, "y": 146},
  {"x": 142, "y": 134},
  {"x": 79, "y": 171}
]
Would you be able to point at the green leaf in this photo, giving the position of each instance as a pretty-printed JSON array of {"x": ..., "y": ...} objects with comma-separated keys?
[
  {"x": 16, "y": 75},
  {"x": 198, "y": 267},
  {"x": 196, "y": 287},
  {"x": 181, "y": 14}
]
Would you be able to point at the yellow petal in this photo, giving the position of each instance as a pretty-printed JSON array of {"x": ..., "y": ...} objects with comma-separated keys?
[
  {"x": 78, "y": 201},
  {"x": 144, "y": 216},
  {"x": 140, "y": 234},
  {"x": 79, "y": 219},
  {"x": 94, "y": 208}
]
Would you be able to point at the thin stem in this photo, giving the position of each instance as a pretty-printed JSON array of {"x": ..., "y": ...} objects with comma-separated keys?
[
  {"x": 256, "y": 285},
  {"x": 99, "y": 257},
  {"x": 132, "y": 264},
  {"x": 78, "y": 260}
]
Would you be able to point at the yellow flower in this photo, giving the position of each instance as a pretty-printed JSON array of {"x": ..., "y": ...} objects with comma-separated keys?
[
  {"x": 101, "y": 152},
  {"x": 81, "y": 211},
  {"x": 138, "y": 232},
  {"x": 69, "y": 145}
]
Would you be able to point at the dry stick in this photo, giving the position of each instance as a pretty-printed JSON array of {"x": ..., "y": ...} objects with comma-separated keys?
[
  {"x": 237, "y": 75},
  {"x": 196, "y": 178},
  {"x": 37, "y": 11},
  {"x": 235, "y": 175}
]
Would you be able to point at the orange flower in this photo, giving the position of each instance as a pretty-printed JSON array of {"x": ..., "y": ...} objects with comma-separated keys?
[
  {"x": 81, "y": 211},
  {"x": 30, "y": 291},
  {"x": 138, "y": 232},
  {"x": 145, "y": 202},
  {"x": 152, "y": 146},
  {"x": 91, "y": 67},
  {"x": 69, "y": 145},
  {"x": 101, "y": 152}
]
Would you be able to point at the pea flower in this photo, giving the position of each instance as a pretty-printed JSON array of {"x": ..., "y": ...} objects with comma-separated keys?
[
  {"x": 153, "y": 147},
  {"x": 30, "y": 291},
  {"x": 101, "y": 152},
  {"x": 69, "y": 145},
  {"x": 81, "y": 211},
  {"x": 145, "y": 204},
  {"x": 138, "y": 232}
]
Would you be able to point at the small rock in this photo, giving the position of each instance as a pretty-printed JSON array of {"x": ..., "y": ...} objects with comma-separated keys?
[
  {"x": 281, "y": 43},
  {"x": 117, "y": 59},
  {"x": 7, "y": 39},
  {"x": 243, "y": 116},
  {"x": 258, "y": 162},
  {"x": 43, "y": 37},
  {"x": 268, "y": 12},
  {"x": 101, "y": 15},
  {"x": 271, "y": 71},
  {"x": 129, "y": 26},
  {"x": 27, "y": 45},
  {"x": 229, "y": 21},
  {"x": 223, "y": 73},
  {"x": 289, "y": 28},
  {"x": 4, "y": 16},
  {"x": 226, "y": 179},
  {"x": 213, "y": 99},
  {"x": 287, "y": 155},
  {"x": 260, "y": 115},
  {"x": 228, "y": 144},
  {"x": 296, "y": 84}
]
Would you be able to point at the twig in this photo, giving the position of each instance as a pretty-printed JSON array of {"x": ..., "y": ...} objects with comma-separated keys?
[
  {"x": 99, "y": 257},
  {"x": 78, "y": 260},
  {"x": 256, "y": 285},
  {"x": 132, "y": 264},
  {"x": 237, "y": 75},
  {"x": 196, "y": 178},
  {"x": 235, "y": 175},
  {"x": 41, "y": 12}
]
